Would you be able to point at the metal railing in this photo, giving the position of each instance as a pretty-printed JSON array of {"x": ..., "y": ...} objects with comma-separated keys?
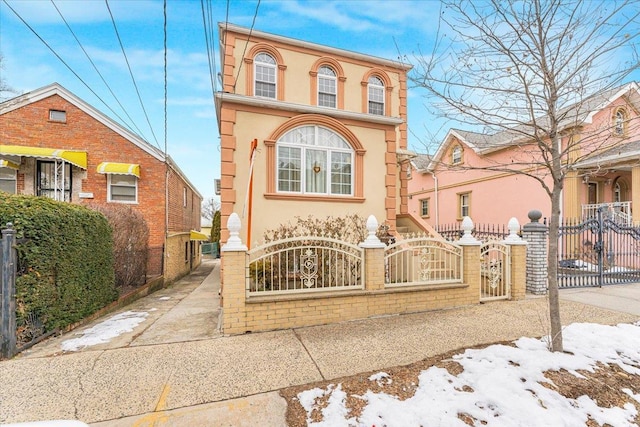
[
  {"x": 419, "y": 260},
  {"x": 482, "y": 232},
  {"x": 618, "y": 212},
  {"x": 304, "y": 264}
]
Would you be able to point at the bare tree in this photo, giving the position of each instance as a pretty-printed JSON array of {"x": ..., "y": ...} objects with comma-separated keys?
[
  {"x": 209, "y": 208},
  {"x": 6, "y": 91},
  {"x": 525, "y": 69}
]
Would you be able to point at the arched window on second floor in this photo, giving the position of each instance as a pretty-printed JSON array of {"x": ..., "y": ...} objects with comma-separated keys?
[
  {"x": 375, "y": 90},
  {"x": 620, "y": 119},
  {"x": 327, "y": 87},
  {"x": 456, "y": 155},
  {"x": 265, "y": 75}
]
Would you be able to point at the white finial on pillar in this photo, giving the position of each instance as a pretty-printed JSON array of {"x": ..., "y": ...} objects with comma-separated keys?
[
  {"x": 467, "y": 227},
  {"x": 514, "y": 227},
  {"x": 234, "y": 243},
  {"x": 372, "y": 240}
]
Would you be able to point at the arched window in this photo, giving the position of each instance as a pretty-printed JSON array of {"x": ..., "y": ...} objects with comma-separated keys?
[
  {"x": 456, "y": 155},
  {"x": 314, "y": 160},
  {"x": 327, "y": 87},
  {"x": 620, "y": 119},
  {"x": 265, "y": 75},
  {"x": 375, "y": 89}
]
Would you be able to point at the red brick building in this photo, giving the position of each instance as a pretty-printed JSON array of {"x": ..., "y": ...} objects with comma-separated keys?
[{"x": 53, "y": 144}]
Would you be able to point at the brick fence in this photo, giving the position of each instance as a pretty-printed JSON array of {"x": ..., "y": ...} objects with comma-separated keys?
[{"x": 243, "y": 312}]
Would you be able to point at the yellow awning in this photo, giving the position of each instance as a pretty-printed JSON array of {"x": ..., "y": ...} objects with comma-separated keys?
[
  {"x": 9, "y": 164},
  {"x": 196, "y": 235},
  {"x": 77, "y": 158},
  {"x": 119, "y": 168}
]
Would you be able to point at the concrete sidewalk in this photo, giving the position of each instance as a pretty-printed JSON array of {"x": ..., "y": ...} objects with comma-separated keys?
[{"x": 175, "y": 369}]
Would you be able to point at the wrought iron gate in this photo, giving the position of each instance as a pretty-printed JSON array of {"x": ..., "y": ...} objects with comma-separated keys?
[
  {"x": 495, "y": 271},
  {"x": 598, "y": 251}
]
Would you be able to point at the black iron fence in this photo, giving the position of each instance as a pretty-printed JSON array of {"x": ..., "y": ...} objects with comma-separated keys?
[
  {"x": 482, "y": 232},
  {"x": 597, "y": 251}
]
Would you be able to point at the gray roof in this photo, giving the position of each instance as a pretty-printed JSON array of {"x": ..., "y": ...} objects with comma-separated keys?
[
  {"x": 617, "y": 154},
  {"x": 421, "y": 161}
]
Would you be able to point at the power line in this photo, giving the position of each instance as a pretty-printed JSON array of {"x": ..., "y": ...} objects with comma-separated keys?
[
  {"x": 207, "y": 38},
  {"x": 62, "y": 60},
  {"x": 131, "y": 72},
  {"x": 164, "y": 13},
  {"x": 255, "y": 15},
  {"x": 98, "y": 71}
]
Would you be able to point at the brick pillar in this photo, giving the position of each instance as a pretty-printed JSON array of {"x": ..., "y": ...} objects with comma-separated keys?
[
  {"x": 518, "y": 256},
  {"x": 234, "y": 259},
  {"x": 373, "y": 257},
  {"x": 535, "y": 234},
  {"x": 470, "y": 260}
]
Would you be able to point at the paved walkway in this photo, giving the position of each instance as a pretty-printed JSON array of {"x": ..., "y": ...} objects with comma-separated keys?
[{"x": 175, "y": 368}]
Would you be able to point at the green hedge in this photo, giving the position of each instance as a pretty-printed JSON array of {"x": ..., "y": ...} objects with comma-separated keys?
[{"x": 65, "y": 260}]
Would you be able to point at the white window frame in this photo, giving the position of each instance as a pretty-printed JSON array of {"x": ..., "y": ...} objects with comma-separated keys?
[
  {"x": 462, "y": 206},
  {"x": 184, "y": 197},
  {"x": 109, "y": 187},
  {"x": 258, "y": 62},
  {"x": 323, "y": 76},
  {"x": 375, "y": 84},
  {"x": 456, "y": 155},
  {"x": 315, "y": 146},
  {"x": 620, "y": 118},
  {"x": 59, "y": 116},
  {"x": 423, "y": 203},
  {"x": 14, "y": 180}
]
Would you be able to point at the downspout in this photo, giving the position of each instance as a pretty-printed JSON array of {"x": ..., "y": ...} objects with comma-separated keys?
[{"x": 435, "y": 181}]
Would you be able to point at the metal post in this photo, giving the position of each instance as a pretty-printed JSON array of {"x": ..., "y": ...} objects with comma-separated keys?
[
  {"x": 8, "y": 303},
  {"x": 599, "y": 247}
]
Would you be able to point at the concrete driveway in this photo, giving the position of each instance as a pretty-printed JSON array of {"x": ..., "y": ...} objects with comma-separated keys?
[{"x": 622, "y": 298}]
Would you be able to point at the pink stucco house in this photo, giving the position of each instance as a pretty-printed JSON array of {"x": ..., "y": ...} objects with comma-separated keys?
[{"x": 452, "y": 183}]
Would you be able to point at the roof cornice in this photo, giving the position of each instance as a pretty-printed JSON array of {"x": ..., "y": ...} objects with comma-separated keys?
[
  {"x": 306, "y": 109},
  {"x": 313, "y": 46}
]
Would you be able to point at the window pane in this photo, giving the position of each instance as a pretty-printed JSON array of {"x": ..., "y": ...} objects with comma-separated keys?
[
  {"x": 129, "y": 180},
  {"x": 267, "y": 90},
  {"x": 326, "y": 100},
  {"x": 376, "y": 98},
  {"x": 8, "y": 185},
  {"x": 328, "y": 138},
  {"x": 123, "y": 194},
  {"x": 316, "y": 171},
  {"x": 289, "y": 165},
  {"x": 341, "y": 173}
]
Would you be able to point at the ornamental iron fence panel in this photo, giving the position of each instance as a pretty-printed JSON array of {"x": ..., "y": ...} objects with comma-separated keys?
[
  {"x": 495, "y": 271},
  {"x": 419, "y": 260},
  {"x": 482, "y": 232},
  {"x": 304, "y": 264},
  {"x": 598, "y": 251}
]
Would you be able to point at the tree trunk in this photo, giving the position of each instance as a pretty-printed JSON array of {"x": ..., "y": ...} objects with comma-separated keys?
[{"x": 552, "y": 270}]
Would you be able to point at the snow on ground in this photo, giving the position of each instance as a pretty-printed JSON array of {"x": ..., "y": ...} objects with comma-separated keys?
[
  {"x": 105, "y": 331},
  {"x": 505, "y": 383}
]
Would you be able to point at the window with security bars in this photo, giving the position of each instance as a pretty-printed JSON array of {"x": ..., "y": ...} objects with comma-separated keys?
[
  {"x": 265, "y": 76},
  {"x": 314, "y": 160},
  {"x": 327, "y": 88},
  {"x": 123, "y": 188},
  {"x": 376, "y": 96}
]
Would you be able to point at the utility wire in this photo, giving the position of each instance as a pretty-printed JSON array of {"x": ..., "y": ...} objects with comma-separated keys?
[
  {"x": 206, "y": 38},
  {"x": 164, "y": 12},
  {"x": 255, "y": 15},
  {"x": 98, "y": 71},
  {"x": 62, "y": 60},
  {"x": 130, "y": 72}
]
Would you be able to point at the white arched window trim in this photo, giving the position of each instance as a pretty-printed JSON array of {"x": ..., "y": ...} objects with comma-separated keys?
[{"x": 314, "y": 160}]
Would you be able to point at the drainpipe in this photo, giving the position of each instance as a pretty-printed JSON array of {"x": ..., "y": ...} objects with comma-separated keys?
[{"x": 435, "y": 180}]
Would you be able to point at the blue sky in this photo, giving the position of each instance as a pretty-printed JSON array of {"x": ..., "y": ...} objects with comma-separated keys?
[
  {"x": 373, "y": 27},
  {"x": 387, "y": 29}
]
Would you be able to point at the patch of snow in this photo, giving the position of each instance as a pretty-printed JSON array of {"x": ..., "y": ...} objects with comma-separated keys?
[
  {"x": 501, "y": 386},
  {"x": 53, "y": 423},
  {"x": 381, "y": 378},
  {"x": 164, "y": 298},
  {"x": 154, "y": 309},
  {"x": 105, "y": 331}
]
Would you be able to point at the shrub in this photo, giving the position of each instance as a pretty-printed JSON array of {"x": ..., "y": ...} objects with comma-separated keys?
[
  {"x": 350, "y": 228},
  {"x": 215, "y": 228},
  {"x": 65, "y": 260},
  {"x": 130, "y": 243}
]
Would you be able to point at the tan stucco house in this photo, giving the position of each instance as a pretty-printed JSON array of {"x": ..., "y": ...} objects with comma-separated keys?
[{"x": 329, "y": 128}]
